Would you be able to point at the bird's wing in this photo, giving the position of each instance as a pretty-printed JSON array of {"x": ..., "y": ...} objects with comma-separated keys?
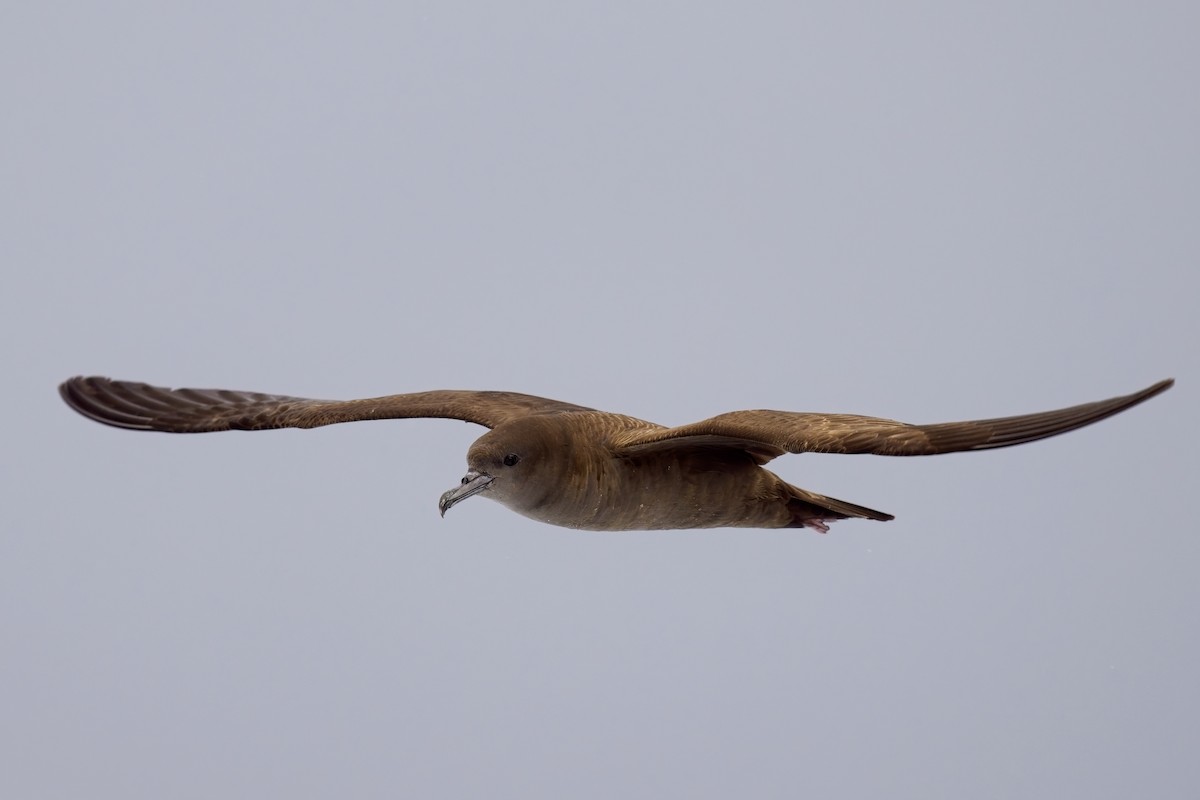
[
  {"x": 767, "y": 434},
  {"x": 139, "y": 406}
]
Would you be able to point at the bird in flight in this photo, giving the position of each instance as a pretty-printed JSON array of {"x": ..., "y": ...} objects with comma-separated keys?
[{"x": 580, "y": 468}]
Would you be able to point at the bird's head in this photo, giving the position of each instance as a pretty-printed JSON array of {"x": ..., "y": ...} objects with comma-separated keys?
[{"x": 503, "y": 465}]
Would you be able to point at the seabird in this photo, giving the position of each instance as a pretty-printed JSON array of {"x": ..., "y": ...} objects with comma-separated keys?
[{"x": 580, "y": 468}]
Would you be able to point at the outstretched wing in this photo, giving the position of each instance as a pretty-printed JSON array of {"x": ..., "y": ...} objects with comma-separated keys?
[
  {"x": 139, "y": 406},
  {"x": 767, "y": 434}
]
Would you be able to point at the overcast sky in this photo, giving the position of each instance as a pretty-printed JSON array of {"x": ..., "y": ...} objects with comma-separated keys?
[{"x": 925, "y": 211}]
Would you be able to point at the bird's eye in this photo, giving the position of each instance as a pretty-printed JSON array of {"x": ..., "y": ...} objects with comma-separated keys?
[{"x": 510, "y": 459}]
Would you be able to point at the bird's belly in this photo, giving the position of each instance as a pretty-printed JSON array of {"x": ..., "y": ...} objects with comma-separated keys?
[{"x": 673, "y": 495}]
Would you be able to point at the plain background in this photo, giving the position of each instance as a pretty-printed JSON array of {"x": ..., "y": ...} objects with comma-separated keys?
[{"x": 926, "y": 211}]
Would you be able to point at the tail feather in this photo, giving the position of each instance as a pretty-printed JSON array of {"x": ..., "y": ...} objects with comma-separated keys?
[{"x": 812, "y": 510}]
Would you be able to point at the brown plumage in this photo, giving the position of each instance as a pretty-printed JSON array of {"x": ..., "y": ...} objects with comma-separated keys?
[{"x": 580, "y": 468}]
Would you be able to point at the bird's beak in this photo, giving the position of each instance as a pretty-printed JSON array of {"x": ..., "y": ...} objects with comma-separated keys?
[{"x": 472, "y": 483}]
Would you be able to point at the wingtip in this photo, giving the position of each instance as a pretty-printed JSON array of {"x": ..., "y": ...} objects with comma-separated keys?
[
  {"x": 1157, "y": 388},
  {"x": 92, "y": 396},
  {"x": 75, "y": 383},
  {"x": 65, "y": 387},
  {"x": 69, "y": 390}
]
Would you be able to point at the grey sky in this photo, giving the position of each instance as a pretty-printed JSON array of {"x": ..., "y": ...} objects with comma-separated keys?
[{"x": 922, "y": 211}]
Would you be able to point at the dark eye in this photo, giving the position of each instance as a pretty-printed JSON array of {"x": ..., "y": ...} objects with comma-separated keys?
[{"x": 510, "y": 459}]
